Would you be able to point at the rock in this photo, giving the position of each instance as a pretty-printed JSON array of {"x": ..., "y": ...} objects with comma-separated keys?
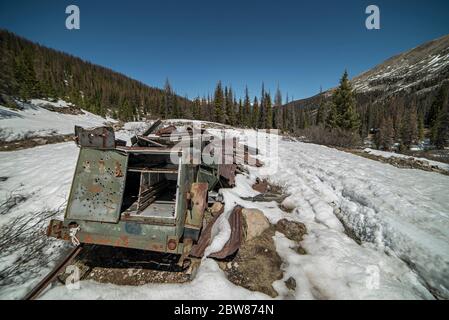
[
  {"x": 256, "y": 223},
  {"x": 216, "y": 209},
  {"x": 300, "y": 250},
  {"x": 291, "y": 229},
  {"x": 257, "y": 264},
  {"x": 290, "y": 283},
  {"x": 40, "y": 141},
  {"x": 288, "y": 204}
]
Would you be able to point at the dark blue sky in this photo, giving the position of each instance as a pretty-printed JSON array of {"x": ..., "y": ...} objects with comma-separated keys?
[{"x": 298, "y": 44}]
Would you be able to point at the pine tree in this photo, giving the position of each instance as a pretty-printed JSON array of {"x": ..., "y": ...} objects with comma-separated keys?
[
  {"x": 385, "y": 135},
  {"x": 442, "y": 132},
  {"x": 344, "y": 101},
  {"x": 196, "y": 112},
  {"x": 434, "y": 113},
  {"x": 321, "y": 112},
  {"x": 269, "y": 112},
  {"x": 332, "y": 117},
  {"x": 262, "y": 120},
  {"x": 437, "y": 105},
  {"x": 420, "y": 127},
  {"x": 167, "y": 99},
  {"x": 255, "y": 113},
  {"x": 247, "y": 115},
  {"x": 278, "y": 111},
  {"x": 219, "y": 115},
  {"x": 241, "y": 115},
  {"x": 409, "y": 129},
  {"x": 230, "y": 107}
]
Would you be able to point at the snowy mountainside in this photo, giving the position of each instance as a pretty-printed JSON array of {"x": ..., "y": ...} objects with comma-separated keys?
[
  {"x": 416, "y": 73},
  {"x": 413, "y": 71},
  {"x": 36, "y": 119}
]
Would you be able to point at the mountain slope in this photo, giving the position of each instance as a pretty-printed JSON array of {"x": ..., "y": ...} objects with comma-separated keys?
[
  {"x": 416, "y": 71},
  {"x": 29, "y": 70},
  {"x": 412, "y": 78}
]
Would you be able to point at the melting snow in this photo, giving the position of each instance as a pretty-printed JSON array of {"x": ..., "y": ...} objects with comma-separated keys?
[{"x": 401, "y": 216}]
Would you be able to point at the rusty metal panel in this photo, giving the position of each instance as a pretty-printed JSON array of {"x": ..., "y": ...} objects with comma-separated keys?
[
  {"x": 233, "y": 244},
  {"x": 98, "y": 186},
  {"x": 228, "y": 171},
  {"x": 184, "y": 182},
  {"x": 101, "y": 137},
  {"x": 198, "y": 194}
]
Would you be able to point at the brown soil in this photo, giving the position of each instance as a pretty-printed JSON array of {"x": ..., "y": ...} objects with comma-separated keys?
[
  {"x": 128, "y": 266},
  {"x": 64, "y": 110},
  {"x": 33, "y": 142},
  {"x": 404, "y": 163},
  {"x": 256, "y": 265}
]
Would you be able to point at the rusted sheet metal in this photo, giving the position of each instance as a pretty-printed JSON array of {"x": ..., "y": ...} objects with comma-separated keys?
[
  {"x": 166, "y": 131},
  {"x": 233, "y": 244},
  {"x": 149, "y": 142},
  {"x": 198, "y": 197},
  {"x": 56, "y": 229},
  {"x": 152, "y": 127},
  {"x": 152, "y": 150},
  {"x": 119, "y": 142},
  {"x": 204, "y": 240},
  {"x": 101, "y": 137},
  {"x": 228, "y": 171}
]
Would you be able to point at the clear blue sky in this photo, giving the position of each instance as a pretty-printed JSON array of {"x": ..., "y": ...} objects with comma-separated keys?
[{"x": 298, "y": 44}]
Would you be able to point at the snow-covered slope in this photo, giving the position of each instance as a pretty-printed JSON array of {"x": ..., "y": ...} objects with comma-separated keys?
[
  {"x": 417, "y": 73},
  {"x": 401, "y": 216},
  {"x": 402, "y": 211},
  {"x": 414, "y": 70},
  {"x": 33, "y": 120}
]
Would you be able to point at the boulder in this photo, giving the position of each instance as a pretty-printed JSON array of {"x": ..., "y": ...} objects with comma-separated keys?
[
  {"x": 291, "y": 229},
  {"x": 256, "y": 223}
]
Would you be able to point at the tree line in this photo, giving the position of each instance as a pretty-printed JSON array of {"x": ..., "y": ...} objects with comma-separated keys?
[{"x": 29, "y": 70}]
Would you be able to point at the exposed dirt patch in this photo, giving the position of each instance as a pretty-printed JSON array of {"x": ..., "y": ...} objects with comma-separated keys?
[
  {"x": 64, "y": 110},
  {"x": 256, "y": 265},
  {"x": 33, "y": 142},
  {"x": 404, "y": 163},
  {"x": 128, "y": 266}
]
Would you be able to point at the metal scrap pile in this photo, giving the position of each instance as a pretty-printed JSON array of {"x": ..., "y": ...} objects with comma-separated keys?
[{"x": 222, "y": 173}]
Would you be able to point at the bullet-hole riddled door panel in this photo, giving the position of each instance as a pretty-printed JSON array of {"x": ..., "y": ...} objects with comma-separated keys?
[{"x": 98, "y": 186}]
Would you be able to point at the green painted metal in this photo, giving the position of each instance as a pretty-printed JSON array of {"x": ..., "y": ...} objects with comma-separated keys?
[
  {"x": 96, "y": 206},
  {"x": 98, "y": 185},
  {"x": 208, "y": 175},
  {"x": 186, "y": 176},
  {"x": 127, "y": 234}
]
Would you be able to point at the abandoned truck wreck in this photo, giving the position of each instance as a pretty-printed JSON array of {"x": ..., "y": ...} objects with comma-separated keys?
[{"x": 148, "y": 196}]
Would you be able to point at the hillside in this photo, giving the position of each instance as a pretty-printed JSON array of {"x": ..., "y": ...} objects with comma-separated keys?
[
  {"x": 412, "y": 79},
  {"x": 29, "y": 70},
  {"x": 417, "y": 71}
]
